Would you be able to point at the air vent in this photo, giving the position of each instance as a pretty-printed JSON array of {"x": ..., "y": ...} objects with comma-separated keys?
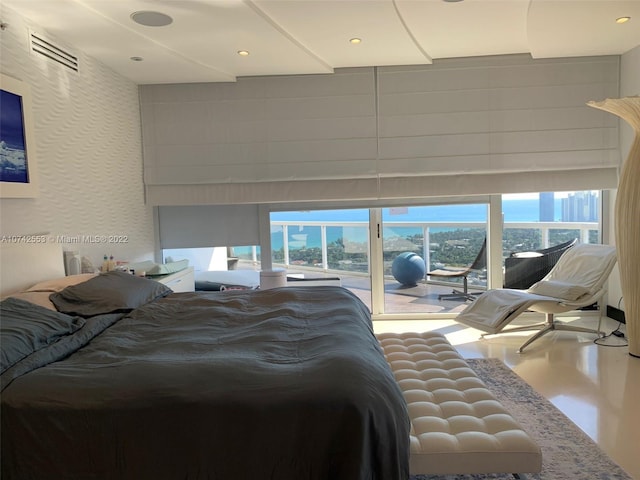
[{"x": 47, "y": 48}]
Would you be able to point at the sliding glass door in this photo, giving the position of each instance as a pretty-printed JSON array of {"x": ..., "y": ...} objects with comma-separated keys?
[
  {"x": 384, "y": 255},
  {"x": 417, "y": 240}
]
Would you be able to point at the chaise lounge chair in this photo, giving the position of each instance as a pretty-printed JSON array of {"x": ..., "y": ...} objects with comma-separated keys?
[
  {"x": 478, "y": 264},
  {"x": 577, "y": 280},
  {"x": 523, "y": 269}
]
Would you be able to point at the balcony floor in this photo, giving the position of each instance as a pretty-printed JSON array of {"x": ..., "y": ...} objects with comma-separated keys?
[{"x": 422, "y": 298}]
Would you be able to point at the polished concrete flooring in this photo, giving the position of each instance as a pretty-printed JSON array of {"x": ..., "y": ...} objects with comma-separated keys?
[{"x": 598, "y": 387}]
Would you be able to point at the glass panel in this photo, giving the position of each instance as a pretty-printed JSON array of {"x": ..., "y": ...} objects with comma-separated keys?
[
  {"x": 324, "y": 243},
  {"x": 211, "y": 259},
  {"x": 348, "y": 248},
  {"x": 419, "y": 240},
  {"x": 201, "y": 259},
  {"x": 305, "y": 245},
  {"x": 247, "y": 256},
  {"x": 277, "y": 243}
]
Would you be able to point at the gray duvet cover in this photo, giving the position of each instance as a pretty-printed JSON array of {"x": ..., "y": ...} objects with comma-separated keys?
[{"x": 287, "y": 384}]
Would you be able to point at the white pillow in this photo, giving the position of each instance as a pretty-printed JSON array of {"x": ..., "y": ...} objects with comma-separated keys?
[
  {"x": 58, "y": 284},
  {"x": 39, "y": 298},
  {"x": 557, "y": 289}
]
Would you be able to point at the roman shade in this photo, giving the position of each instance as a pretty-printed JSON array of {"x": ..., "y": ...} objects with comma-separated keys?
[
  {"x": 197, "y": 226},
  {"x": 485, "y": 125}
]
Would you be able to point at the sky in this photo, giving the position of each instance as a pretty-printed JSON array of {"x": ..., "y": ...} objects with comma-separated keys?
[{"x": 530, "y": 196}]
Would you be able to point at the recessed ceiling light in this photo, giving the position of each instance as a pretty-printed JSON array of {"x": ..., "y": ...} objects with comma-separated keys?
[
  {"x": 452, "y": 1},
  {"x": 623, "y": 19},
  {"x": 151, "y": 19},
  {"x": 356, "y": 40},
  {"x": 243, "y": 53},
  {"x": 136, "y": 59}
]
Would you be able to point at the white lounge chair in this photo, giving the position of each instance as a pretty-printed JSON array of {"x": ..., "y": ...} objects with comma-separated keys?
[{"x": 578, "y": 279}]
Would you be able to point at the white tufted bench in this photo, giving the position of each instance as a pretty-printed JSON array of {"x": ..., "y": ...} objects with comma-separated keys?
[{"x": 457, "y": 425}]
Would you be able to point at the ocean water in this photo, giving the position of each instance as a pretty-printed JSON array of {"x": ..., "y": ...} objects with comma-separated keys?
[{"x": 525, "y": 210}]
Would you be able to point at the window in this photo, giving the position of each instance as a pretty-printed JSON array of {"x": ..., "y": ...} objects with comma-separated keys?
[{"x": 541, "y": 220}]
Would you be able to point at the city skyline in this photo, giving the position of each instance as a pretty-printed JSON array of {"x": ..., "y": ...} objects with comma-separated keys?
[{"x": 580, "y": 206}]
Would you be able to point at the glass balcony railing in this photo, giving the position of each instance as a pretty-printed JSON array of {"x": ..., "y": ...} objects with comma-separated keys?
[
  {"x": 340, "y": 246},
  {"x": 342, "y": 249}
]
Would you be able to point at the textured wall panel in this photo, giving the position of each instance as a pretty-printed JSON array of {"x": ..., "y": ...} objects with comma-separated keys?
[{"x": 88, "y": 150}]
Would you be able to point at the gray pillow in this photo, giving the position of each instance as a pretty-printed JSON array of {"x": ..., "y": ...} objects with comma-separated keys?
[
  {"x": 108, "y": 293},
  {"x": 27, "y": 327}
]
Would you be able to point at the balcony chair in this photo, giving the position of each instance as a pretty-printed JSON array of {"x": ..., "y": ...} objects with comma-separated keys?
[
  {"x": 480, "y": 263},
  {"x": 523, "y": 269},
  {"x": 578, "y": 279}
]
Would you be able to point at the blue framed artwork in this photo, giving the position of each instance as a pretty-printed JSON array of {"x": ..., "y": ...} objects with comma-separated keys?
[{"x": 18, "y": 176}]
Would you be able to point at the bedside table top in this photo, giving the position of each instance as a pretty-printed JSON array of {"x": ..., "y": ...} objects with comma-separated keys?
[{"x": 182, "y": 281}]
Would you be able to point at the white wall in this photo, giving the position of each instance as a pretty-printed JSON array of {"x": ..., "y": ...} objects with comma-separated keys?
[
  {"x": 88, "y": 150},
  {"x": 629, "y": 85}
]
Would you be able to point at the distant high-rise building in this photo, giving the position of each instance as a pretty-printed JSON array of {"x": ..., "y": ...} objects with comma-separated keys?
[
  {"x": 580, "y": 207},
  {"x": 546, "y": 207}
]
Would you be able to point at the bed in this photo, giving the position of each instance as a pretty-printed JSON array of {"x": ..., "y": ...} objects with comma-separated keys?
[{"x": 280, "y": 384}]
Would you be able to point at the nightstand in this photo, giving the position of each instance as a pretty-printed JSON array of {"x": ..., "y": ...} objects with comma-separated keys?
[{"x": 182, "y": 281}]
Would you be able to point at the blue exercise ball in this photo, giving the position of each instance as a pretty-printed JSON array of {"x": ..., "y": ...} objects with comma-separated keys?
[{"x": 407, "y": 268}]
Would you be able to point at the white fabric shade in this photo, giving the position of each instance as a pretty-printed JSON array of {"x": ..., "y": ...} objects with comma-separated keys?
[{"x": 501, "y": 124}]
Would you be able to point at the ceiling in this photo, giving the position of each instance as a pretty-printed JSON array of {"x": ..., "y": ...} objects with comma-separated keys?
[{"x": 313, "y": 36}]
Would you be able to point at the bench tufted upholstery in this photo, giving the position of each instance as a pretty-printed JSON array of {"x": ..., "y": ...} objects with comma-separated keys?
[{"x": 457, "y": 424}]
